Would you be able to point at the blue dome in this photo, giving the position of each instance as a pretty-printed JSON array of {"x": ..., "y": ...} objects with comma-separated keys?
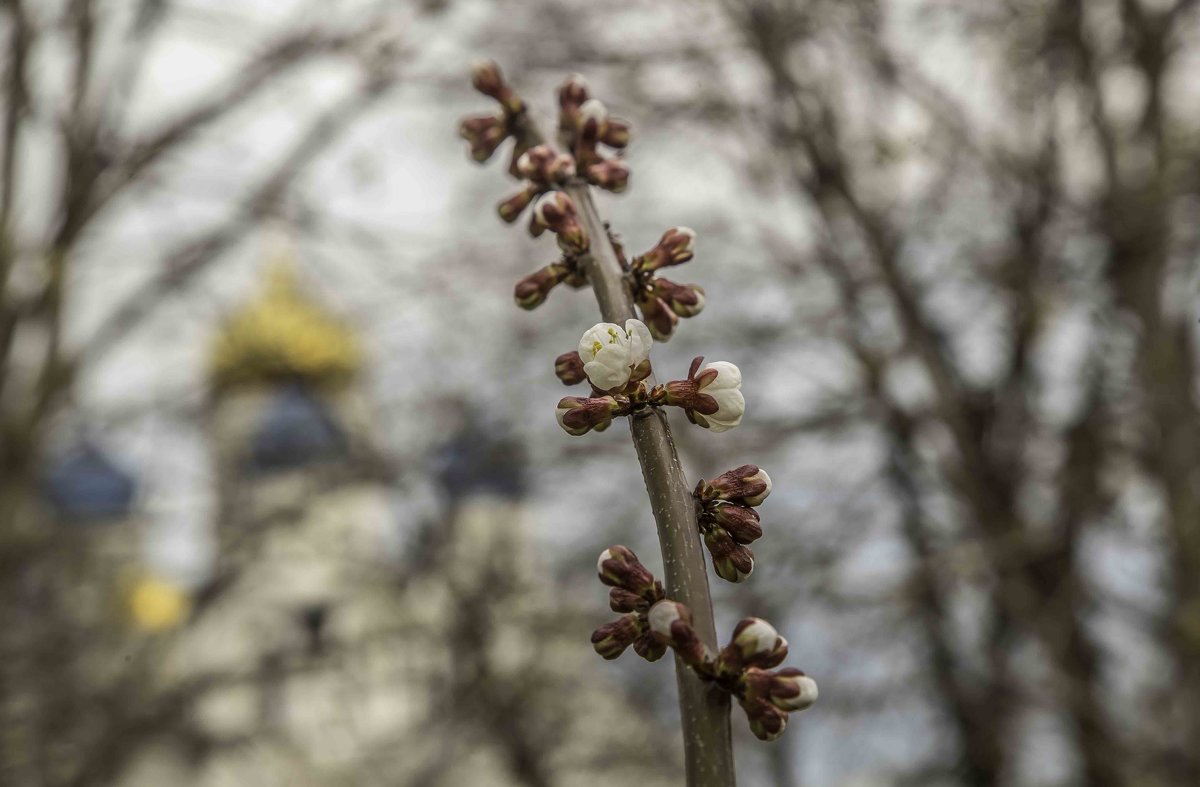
[
  {"x": 477, "y": 463},
  {"x": 87, "y": 485},
  {"x": 297, "y": 430}
]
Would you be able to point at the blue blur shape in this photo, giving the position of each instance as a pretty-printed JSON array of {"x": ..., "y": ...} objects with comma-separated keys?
[
  {"x": 86, "y": 486},
  {"x": 297, "y": 430}
]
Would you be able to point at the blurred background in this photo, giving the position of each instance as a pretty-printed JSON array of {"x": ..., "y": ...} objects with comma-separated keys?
[{"x": 282, "y": 497}]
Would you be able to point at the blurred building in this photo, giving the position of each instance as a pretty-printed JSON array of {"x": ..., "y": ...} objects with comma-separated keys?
[{"x": 324, "y": 653}]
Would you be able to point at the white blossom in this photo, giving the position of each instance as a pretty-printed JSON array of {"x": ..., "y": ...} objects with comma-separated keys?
[
  {"x": 610, "y": 352},
  {"x": 727, "y": 390}
]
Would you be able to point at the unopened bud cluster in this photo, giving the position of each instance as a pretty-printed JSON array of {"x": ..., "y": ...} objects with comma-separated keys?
[
  {"x": 744, "y": 667},
  {"x": 661, "y": 301},
  {"x": 728, "y": 522},
  {"x": 634, "y": 592}
]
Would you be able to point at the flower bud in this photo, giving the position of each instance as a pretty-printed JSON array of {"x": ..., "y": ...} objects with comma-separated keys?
[
  {"x": 568, "y": 368},
  {"x": 510, "y": 209},
  {"x": 732, "y": 561},
  {"x": 686, "y": 300},
  {"x": 766, "y": 721},
  {"x": 671, "y": 623},
  {"x": 665, "y": 614},
  {"x": 658, "y": 317},
  {"x": 740, "y": 522},
  {"x": 675, "y": 247},
  {"x": 622, "y": 600},
  {"x": 615, "y": 133},
  {"x": 649, "y": 648},
  {"x": 748, "y": 485},
  {"x": 619, "y": 567},
  {"x": 578, "y": 415},
  {"x": 791, "y": 690},
  {"x": 758, "y": 644},
  {"x": 487, "y": 79},
  {"x": 532, "y": 290},
  {"x": 610, "y": 174},
  {"x": 571, "y": 96},
  {"x": 544, "y": 165},
  {"x": 611, "y": 640},
  {"x": 592, "y": 116},
  {"x": 556, "y": 212},
  {"x": 484, "y": 134},
  {"x": 711, "y": 395}
]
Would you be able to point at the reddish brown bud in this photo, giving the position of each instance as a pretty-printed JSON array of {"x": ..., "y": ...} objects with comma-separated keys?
[
  {"x": 671, "y": 623},
  {"x": 732, "y": 561},
  {"x": 747, "y": 485},
  {"x": 611, "y": 640},
  {"x": 619, "y": 567},
  {"x": 622, "y": 600},
  {"x": 510, "y": 209},
  {"x": 791, "y": 690},
  {"x": 532, "y": 290},
  {"x": 740, "y": 522},
  {"x": 578, "y": 415},
  {"x": 484, "y": 134},
  {"x": 487, "y": 79},
  {"x": 568, "y": 368},
  {"x": 615, "y": 133},
  {"x": 658, "y": 317},
  {"x": 556, "y": 212},
  {"x": 685, "y": 300},
  {"x": 610, "y": 174},
  {"x": 675, "y": 247},
  {"x": 571, "y": 96},
  {"x": 546, "y": 166}
]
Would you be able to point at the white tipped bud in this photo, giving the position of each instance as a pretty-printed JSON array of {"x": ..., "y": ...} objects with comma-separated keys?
[
  {"x": 756, "y": 636},
  {"x": 593, "y": 110},
  {"x": 792, "y": 690},
  {"x": 663, "y": 615}
]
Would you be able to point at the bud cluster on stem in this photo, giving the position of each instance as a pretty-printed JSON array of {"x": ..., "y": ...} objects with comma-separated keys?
[
  {"x": 743, "y": 668},
  {"x": 614, "y": 359}
]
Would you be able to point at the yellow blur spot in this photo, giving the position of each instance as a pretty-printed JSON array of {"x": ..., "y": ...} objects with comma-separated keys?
[
  {"x": 155, "y": 605},
  {"x": 283, "y": 335}
]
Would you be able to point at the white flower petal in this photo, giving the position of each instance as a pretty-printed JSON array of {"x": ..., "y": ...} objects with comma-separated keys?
[
  {"x": 728, "y": 376},
  {"x": 640, "y": 341}
]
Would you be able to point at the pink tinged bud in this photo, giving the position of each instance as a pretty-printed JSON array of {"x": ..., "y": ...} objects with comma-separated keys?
[
  {"x": 740, "y": 522},
  {"x": 578, "y": 415},
  {"x": 510, "y": 209},
  {"x": 615, "y": 133},
  {"x": 611, "y": 175},
  {"x": 748, "y": 485},
  {"x": 791, "y": 690},
  {"x": 611, "y": 640},
  {"x": 685, "y": 300},
  {"x": 532, "y": 290},
  {"x": 568, "y": 368},
  {"x": 619, "y": 567},
  {"x": 759, "y": 644},
  {"x": 543, "y": 165}
]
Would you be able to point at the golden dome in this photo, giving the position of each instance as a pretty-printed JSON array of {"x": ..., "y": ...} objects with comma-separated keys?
[
  {"x": 283, "y": 335},
  {"x": 155, "y": 605}
]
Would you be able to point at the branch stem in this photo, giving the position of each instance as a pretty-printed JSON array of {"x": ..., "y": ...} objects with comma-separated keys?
[{"x": 703, "y": 710}]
